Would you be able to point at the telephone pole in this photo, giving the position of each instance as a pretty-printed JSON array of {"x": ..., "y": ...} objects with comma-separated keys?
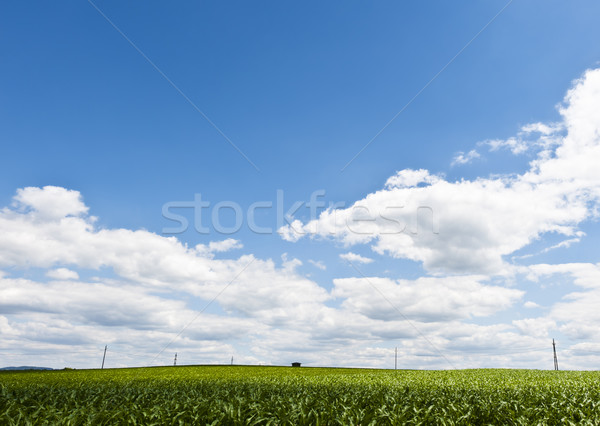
[
  {"x": 175, "y": 360},
  {"x": 396, "y": 359},
  {"x": 104, "y": 357},
  {"x": 555, "y": 358}
]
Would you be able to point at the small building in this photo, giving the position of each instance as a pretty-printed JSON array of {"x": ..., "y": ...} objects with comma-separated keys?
[{"x": 295, "y": 364}]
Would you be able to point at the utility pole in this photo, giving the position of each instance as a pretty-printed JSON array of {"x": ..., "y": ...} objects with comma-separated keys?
[
  {"x": 104, "y": 357},
  {"x": 555, "y": 358},
  {"x": 396, "y": 359},
  {"x": 232, "y": 360},
  {"x": 175, "y": 360}
]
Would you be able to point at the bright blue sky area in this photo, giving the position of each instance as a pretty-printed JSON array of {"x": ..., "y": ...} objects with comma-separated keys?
[{"x": 299, "y": 88}]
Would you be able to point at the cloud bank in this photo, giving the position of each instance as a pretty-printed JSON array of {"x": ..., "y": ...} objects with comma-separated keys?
[{"x": 69, "y": 286}]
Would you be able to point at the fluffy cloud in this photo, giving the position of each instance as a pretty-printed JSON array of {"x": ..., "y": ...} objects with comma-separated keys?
[
  {"x": 355, "y": 258},
  {"x": 149, "y": 289},
  {"x": 462, "y": 158},
  {"x": 410, "y": 178},
  {"x": 469, "y": 226},
  {"x": 225, "y": 245},
  {"x": 89, "y": 303},
  {"x": 62, "y": 274},
  {"x": 536, "y": 327},
  {"x": 39, "y": 238},
  {"x": 50, "y": 202},
  {"x": 585, "y": 275},
  {"x": 427, "y": 299},
  {"x": 531, "y": 305}
]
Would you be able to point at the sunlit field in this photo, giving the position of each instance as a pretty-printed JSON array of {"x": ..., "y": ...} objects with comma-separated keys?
[{"x": 286, "y": 395}]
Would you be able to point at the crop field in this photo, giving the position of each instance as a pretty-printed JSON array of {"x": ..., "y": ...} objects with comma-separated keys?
[{"x": 298, "y": 396}]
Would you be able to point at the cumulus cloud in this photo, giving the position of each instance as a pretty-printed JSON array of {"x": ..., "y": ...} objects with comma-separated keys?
[
  {"x": 409, "y": 178},
  {"x": 31, "y": 239},
  {"x": 146, "y": 282},
  {"x": 426, "y": 299},
  {"x": 355, "y": 258},
  {"x": 461, "y": 158},
  {"x": 585, "y": 275},
  {"x": 470, "y": 226},
  {"x": 50, "y": 202},
  {"x": 225, "y": 245},
  {"x": 62, "y": 274},
  {"x": 148, "y": 288},
  {"x": 536, "y": 327},
  {"x": 90, "y": 303}
]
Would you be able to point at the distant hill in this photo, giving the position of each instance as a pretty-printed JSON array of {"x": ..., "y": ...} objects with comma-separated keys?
[{"x": 25, "y": 367}]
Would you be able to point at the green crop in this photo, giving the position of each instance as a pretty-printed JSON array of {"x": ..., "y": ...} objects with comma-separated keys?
[{"x": 211, "y": 395}]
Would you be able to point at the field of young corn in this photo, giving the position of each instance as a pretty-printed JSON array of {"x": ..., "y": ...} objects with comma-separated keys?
[{"x": 298, "y": 396}]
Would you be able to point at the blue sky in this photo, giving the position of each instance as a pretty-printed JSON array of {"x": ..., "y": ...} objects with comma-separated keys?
[{"x": 89, "y": 124}]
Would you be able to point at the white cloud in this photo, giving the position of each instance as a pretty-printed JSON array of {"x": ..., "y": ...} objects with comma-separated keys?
[
  {"x": 539, "y": 136},
  {"x": 426, "y": 299},
  {"x": 531, "y": 305},
  {"x": 50, "y": 202},
  {"x": 89, "y": 303},
  {"x": 318, "y": 264},
  {"x": 469, "y": 226},
  {"x": 225, "y": 245},
  {"x": 355, "y": 258},
  {"x": 577, "y": 313},
  {"x": 33, "y": 240},
  {"x": 48, "y": 241},
  {"x": 62, "y": 274},
  {"x": 292, "y": 232},
  {"x": 156, "y": 286},
  {"x": 575, "y": 316},
  {"x": 536, "y": 327},
  {"x": 515, "y": 145},
  {"x": 153, "y": 282},
  {"x": 542, "y": 128},
  {"x": 461, "y": 158},
  {"x": 586, "y": 275},
  {"x": 563, "y": 244},
  {"x": 409, "y": 178}
]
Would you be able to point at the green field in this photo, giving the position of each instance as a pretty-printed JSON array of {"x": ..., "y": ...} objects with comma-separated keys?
[{"x": 286, "y": 395}]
